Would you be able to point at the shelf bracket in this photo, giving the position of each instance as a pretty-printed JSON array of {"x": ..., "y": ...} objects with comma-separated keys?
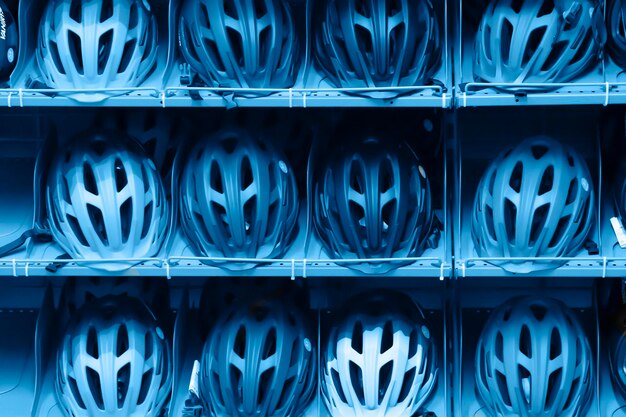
[{"x": 168, "y": 272}]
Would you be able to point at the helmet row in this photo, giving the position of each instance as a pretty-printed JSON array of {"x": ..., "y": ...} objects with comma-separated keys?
[
  {"x": 237, "y": 197},
  {"x": 102, "y": 44},
  {"x": 259, "y": 358},
  {"x": 379, "y": 357},
  {"x": 366, "y": 43}
]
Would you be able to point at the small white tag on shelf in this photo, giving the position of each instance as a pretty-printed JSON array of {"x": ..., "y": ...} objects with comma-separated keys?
[
  {"x": 193, "y": 381},
  {"x": 620, "y": 234}
]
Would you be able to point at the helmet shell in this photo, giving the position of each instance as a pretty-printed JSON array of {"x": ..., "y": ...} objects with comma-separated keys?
[
  {"x": 96, "y": 44},
  {"x": 378, "y": 43},
  {"x": 380, "y": 359},
  {"x": 240, "y": 43},
  {"x": 113, "y": 360},
  {"x": 105, "y": 200},
  {"x": 533, "y": 359},
  {"x": 534, "y": 200},
  {"x": 239, "y": 197},
  {"x": 8, "y": 42},
  {"x": 259, "y": 361},
  {"x": 372, "y": 200},
  {"x": 538, "y": 41},
  {"x": 616, "y": 30}
]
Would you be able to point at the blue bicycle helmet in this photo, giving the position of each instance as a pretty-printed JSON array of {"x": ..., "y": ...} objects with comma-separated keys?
[
  {"x": 8, "y": 42},
  {"x": 616, "y": 30},
  {"x": 259, "y": 361},
  {"x": 538, "y": 41},
  {"x": 105, "y": 200},
  {"x": 534, "y": 360},
  {"x": 238, "y": 197},
  {"x": 378, "y": 43},
  {"x": 372, "y": 200},
  {"x": 534, "y": 200},
  {"x": 114, "y": 360},
  {"x": 380, "y": 359},
  {"x": 96, "y": 44},
  {"x": 240, "y": 43}
]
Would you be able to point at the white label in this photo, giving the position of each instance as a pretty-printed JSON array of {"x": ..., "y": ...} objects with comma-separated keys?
[
  {"x": 194, "y": 380},
  {"x": 620, "y": 234}
]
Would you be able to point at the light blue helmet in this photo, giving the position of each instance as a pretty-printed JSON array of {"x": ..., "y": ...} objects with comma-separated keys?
[
  {"x": 114, "y": 360},
  {"x": 105, "y": 200},
  {"x": 96, "y": 44},
  {"x": 538, "y": 41},
  {"x": 533, "y": 359},
  {"x": 534, "y": 200},
  {"x": 380, "y": 358},
  {"x": 259, "y": 361}
]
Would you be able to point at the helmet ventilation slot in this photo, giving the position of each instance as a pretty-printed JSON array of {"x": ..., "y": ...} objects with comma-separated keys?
[
  {"x": 123, "y": 384},
  {"x": 384, "y": 380},
  {"x": 105, "y": 44},
  {"x": 356, "y": 379},
  {"x": 75, "y": 51},
  {"x": 106, "y": 12},
  {"x": 95, "y": 388}
]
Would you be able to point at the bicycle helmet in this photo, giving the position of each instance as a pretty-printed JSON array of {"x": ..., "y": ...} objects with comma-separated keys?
[
  {"x": 8, "y": 42},
  {"x": 380, "y": 359},
  {"x": 616, "y": 30},
  {"x": 533, "y": 359},
  {"x": 378, "y": 43},
  {"x": 259, "y": 361},
  {"x": 372, "y": 200},
  {"x": 239, "y": 198},
  {"x": 538, "y": 41},
  {"x": 240, "y": 43},
  {"x": 105, "y": 200},
  {"x": 96, "y": 44},
  {"x": 113, "y": 360},
  {"x": 534, "y": 200}
]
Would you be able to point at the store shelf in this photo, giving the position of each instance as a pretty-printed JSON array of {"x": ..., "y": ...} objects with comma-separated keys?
[
  {"x": 433, "y": 97},
  {"x": 485, "y": 94}
]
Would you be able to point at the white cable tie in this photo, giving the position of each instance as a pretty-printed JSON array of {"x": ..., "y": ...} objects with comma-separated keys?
[
  {"x": 604, "y": 261},
  {"x": 443, "y": 100},
  {"x": 168, "y": 272},
  {"x": 464, "y": 99},
  {"x": 26, "y": 269},
  {"x": 304, "y": 268},
  {"x": 20, "y": 93},
  {"x": 304, "y": 100},
  {"x": 163, "y": 99},
  {"x": 441, "y": 277},
  {"x": 9, "y": 99},
  {"x": 463, "y": 269},
  {"x": 293, "y": 269},
  {"x": 14, "y": 263},
  {"x": 606, "y": 95},
  {"x": 290, "y": 97}
]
